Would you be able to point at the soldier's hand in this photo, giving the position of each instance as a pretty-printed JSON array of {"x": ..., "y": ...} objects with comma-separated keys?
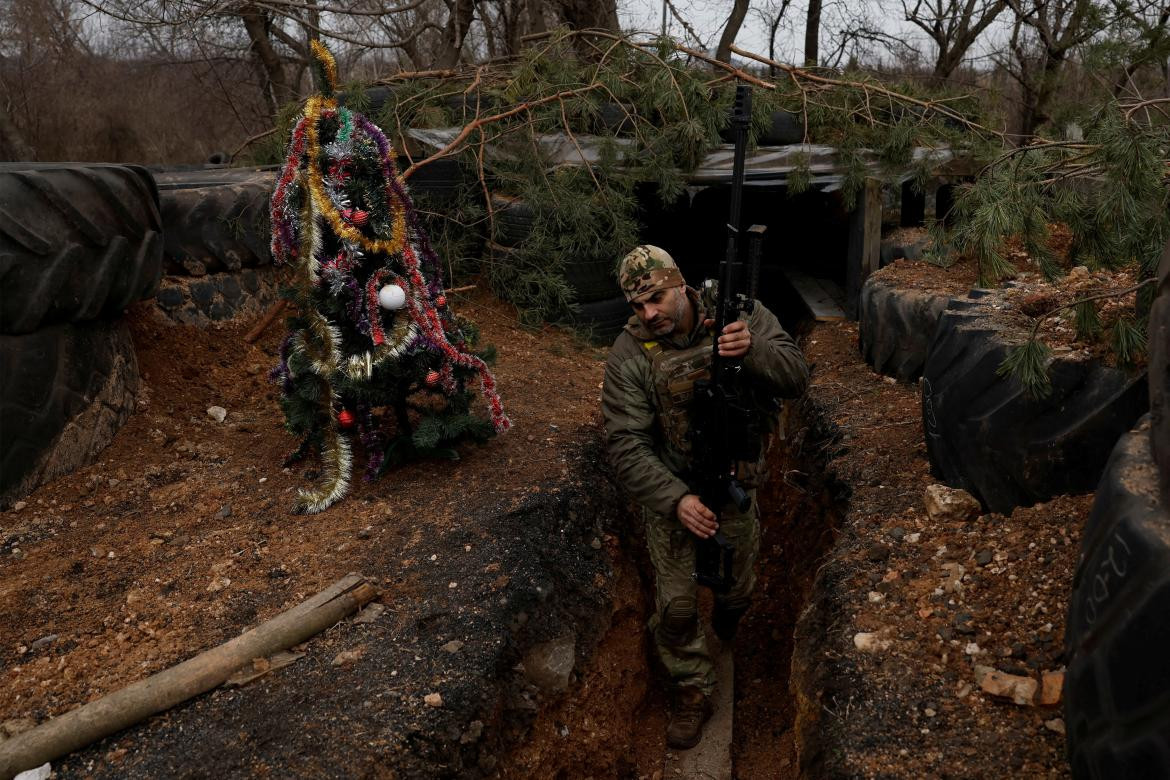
[
  {"x": 735, "y": 340},
  {"x": 696, "y": 517}
]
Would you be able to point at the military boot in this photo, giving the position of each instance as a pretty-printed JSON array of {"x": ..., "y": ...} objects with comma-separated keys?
[{"x": 691, "y": 710}]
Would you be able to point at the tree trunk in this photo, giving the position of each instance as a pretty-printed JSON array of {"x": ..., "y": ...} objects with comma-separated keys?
[
  {"x": 812, "y": 34},
  {"x": 457, "y": 26},
  {"x": 590, "y": 14},
  {"x": 276, "y": 88},
  {"x": 734, "y": 22}
]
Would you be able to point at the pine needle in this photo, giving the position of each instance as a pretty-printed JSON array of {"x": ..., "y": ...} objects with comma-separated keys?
[
  {"x": 1129, "y": 341},
  {"x": 1027, "y": 364},
  {"x": 1088, "y": 321}
]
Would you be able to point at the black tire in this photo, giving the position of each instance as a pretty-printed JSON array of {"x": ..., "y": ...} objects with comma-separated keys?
[
  {"x": 786, "y": 128},
  {"x": 985, "y": 436},
  {"x": 76, "y": 242},
  {"x": 592, "y": 280},
  {"x": 896, "y": 327},
  {"x": 1117, "y": 687},
  {"x": 1159, "y": 340},
  {"x": 64, "y": 391},
  {"x": 512, "y": 220},
  {"x": 443, "y": 179},
  {"x": 603, "y": 320},
  {"x": 614, "y": 119},
  {"x": 215, "y": 221}
]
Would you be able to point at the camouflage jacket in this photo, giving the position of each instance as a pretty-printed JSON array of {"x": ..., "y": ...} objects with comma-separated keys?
[{"x": 646, "y": 464}]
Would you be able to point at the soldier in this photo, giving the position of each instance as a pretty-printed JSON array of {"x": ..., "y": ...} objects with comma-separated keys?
[{"x": 649, "y": 377}]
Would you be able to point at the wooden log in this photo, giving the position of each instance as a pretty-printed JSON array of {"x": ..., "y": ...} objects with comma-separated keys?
[
  {"x": 267, "y": 320},
  {"x": 157, "y": 693}
]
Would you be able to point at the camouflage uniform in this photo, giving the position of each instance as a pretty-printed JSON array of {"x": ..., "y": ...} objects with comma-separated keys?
[{"x": 649, "y": 454}]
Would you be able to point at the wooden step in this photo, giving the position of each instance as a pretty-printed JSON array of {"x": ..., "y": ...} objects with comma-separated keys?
[{"x": 823, "y": 298}]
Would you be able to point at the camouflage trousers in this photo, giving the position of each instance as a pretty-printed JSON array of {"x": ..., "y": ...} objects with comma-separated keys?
[{"x": 679, "y": 641}]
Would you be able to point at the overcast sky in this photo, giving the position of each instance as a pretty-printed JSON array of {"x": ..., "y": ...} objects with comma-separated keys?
[{"x": 709, "y": 16}]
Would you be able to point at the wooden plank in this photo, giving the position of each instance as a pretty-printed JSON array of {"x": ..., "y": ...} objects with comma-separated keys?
[
  {"x": 865, "y": 235},
  {"x": 817, "y": 295}
]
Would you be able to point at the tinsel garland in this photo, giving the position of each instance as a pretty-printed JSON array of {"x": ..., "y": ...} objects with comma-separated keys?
[{"x": 299, "y": 234}]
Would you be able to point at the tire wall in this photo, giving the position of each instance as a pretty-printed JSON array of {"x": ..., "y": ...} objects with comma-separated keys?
[
  {"x": 65, "y": 390},
  {"x": 985, "y": 436},
  {"x": 76, "y": 242},
  {"x": 1117, "y": 687},
  {"x": 1159, "y": 341},
  {"x": 896, "y": 327}
]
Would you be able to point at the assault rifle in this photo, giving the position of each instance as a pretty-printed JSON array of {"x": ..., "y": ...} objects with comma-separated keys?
[{"x": 724, "y": 426}]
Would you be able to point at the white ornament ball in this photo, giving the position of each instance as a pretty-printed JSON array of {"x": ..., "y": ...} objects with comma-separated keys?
[{"x": 392, "y": 297}]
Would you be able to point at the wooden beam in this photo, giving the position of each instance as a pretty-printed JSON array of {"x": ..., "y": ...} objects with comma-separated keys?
[{"x": 865, "y": 235}]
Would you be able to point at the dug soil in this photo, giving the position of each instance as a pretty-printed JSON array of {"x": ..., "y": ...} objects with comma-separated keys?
[{"x": 181, "y": 537}]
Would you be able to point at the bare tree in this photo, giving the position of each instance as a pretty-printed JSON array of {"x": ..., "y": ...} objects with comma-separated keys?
[
  {"x": 812, "y": 33},
  {"x": 953, "y": 25},
  {"x": 1144, "y": 26},
  {"x": 731, "y": 29},
  {"x": 1043, "y": 35}
]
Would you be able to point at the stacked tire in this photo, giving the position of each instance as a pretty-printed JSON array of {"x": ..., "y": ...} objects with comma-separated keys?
[
  {"x": 896, "y": 327},
  {"x": 78, "y": 244},
  {"x": 985, "y": 435},
  {"x": 600, "y": 310},
  {"x": 216, "y": 250},
  {"x": 1117, "y": 688}
]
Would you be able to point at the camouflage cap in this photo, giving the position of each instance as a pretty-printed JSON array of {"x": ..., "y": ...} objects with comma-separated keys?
[{"x": 647, "y": 269}]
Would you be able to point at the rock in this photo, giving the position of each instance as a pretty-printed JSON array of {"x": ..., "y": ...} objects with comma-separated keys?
[
  {"x": 1051, "y": 685},
  {"x": 876, "y": 553},
  {"x": 595, "y": 544},
  {"x": 549, "y": 664},
  {"x": 42, "y": 772},
  {"x": 19, "y": 505},
  {"x": 950, "y": 505},
  {"x": 217, "y": 413},
  {"x": 983, "y": 557},
  {"x": 349, "y": 656},
  {"x": 870, "y": 642},
  {"x": 224, "y": 511},
  {"x": 473, "y": 733},
  {"x": 369, "y": 613},
  {"x": 1056, "y": 724},
  {"x": 897, "y": 533},
  {"x": 1019, "y": 690},
  {"x": 433, "y": 700},
  {"x": 454, "y": 646},
  {"x": 913, "y": 538},
  {"x": 963, "y": 623},
  {"x": 45, "y": 640},
  {"x": 953, "y": 577}
]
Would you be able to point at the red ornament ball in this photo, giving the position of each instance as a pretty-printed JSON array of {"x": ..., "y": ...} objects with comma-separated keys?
[
  {"x": 441, "y": 300},
  {"x": 432, "y": 377},
  {"x": 345, "y": 418}
]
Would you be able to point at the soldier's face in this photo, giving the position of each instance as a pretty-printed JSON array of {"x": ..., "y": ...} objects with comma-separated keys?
[{"x": 662, "y": 311}]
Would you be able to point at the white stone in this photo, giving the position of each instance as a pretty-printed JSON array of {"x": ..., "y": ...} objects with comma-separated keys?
[
  {"x": 217, "y": 413},
  {"x": 870, "y": 642},
  {"x": 549, "y": 664},
  {"x": 945, "y": 504},
  {"x": 391, "y": 297}
]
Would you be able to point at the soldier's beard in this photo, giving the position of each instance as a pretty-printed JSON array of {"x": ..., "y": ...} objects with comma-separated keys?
[{"x": 669, "y": 324}]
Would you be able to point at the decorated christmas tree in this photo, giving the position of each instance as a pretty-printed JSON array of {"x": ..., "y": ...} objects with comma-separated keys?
[{"x": 373, "y": 348}]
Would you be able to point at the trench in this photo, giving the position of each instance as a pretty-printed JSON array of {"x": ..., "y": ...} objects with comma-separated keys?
[{"x": 611, "y": 723}]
